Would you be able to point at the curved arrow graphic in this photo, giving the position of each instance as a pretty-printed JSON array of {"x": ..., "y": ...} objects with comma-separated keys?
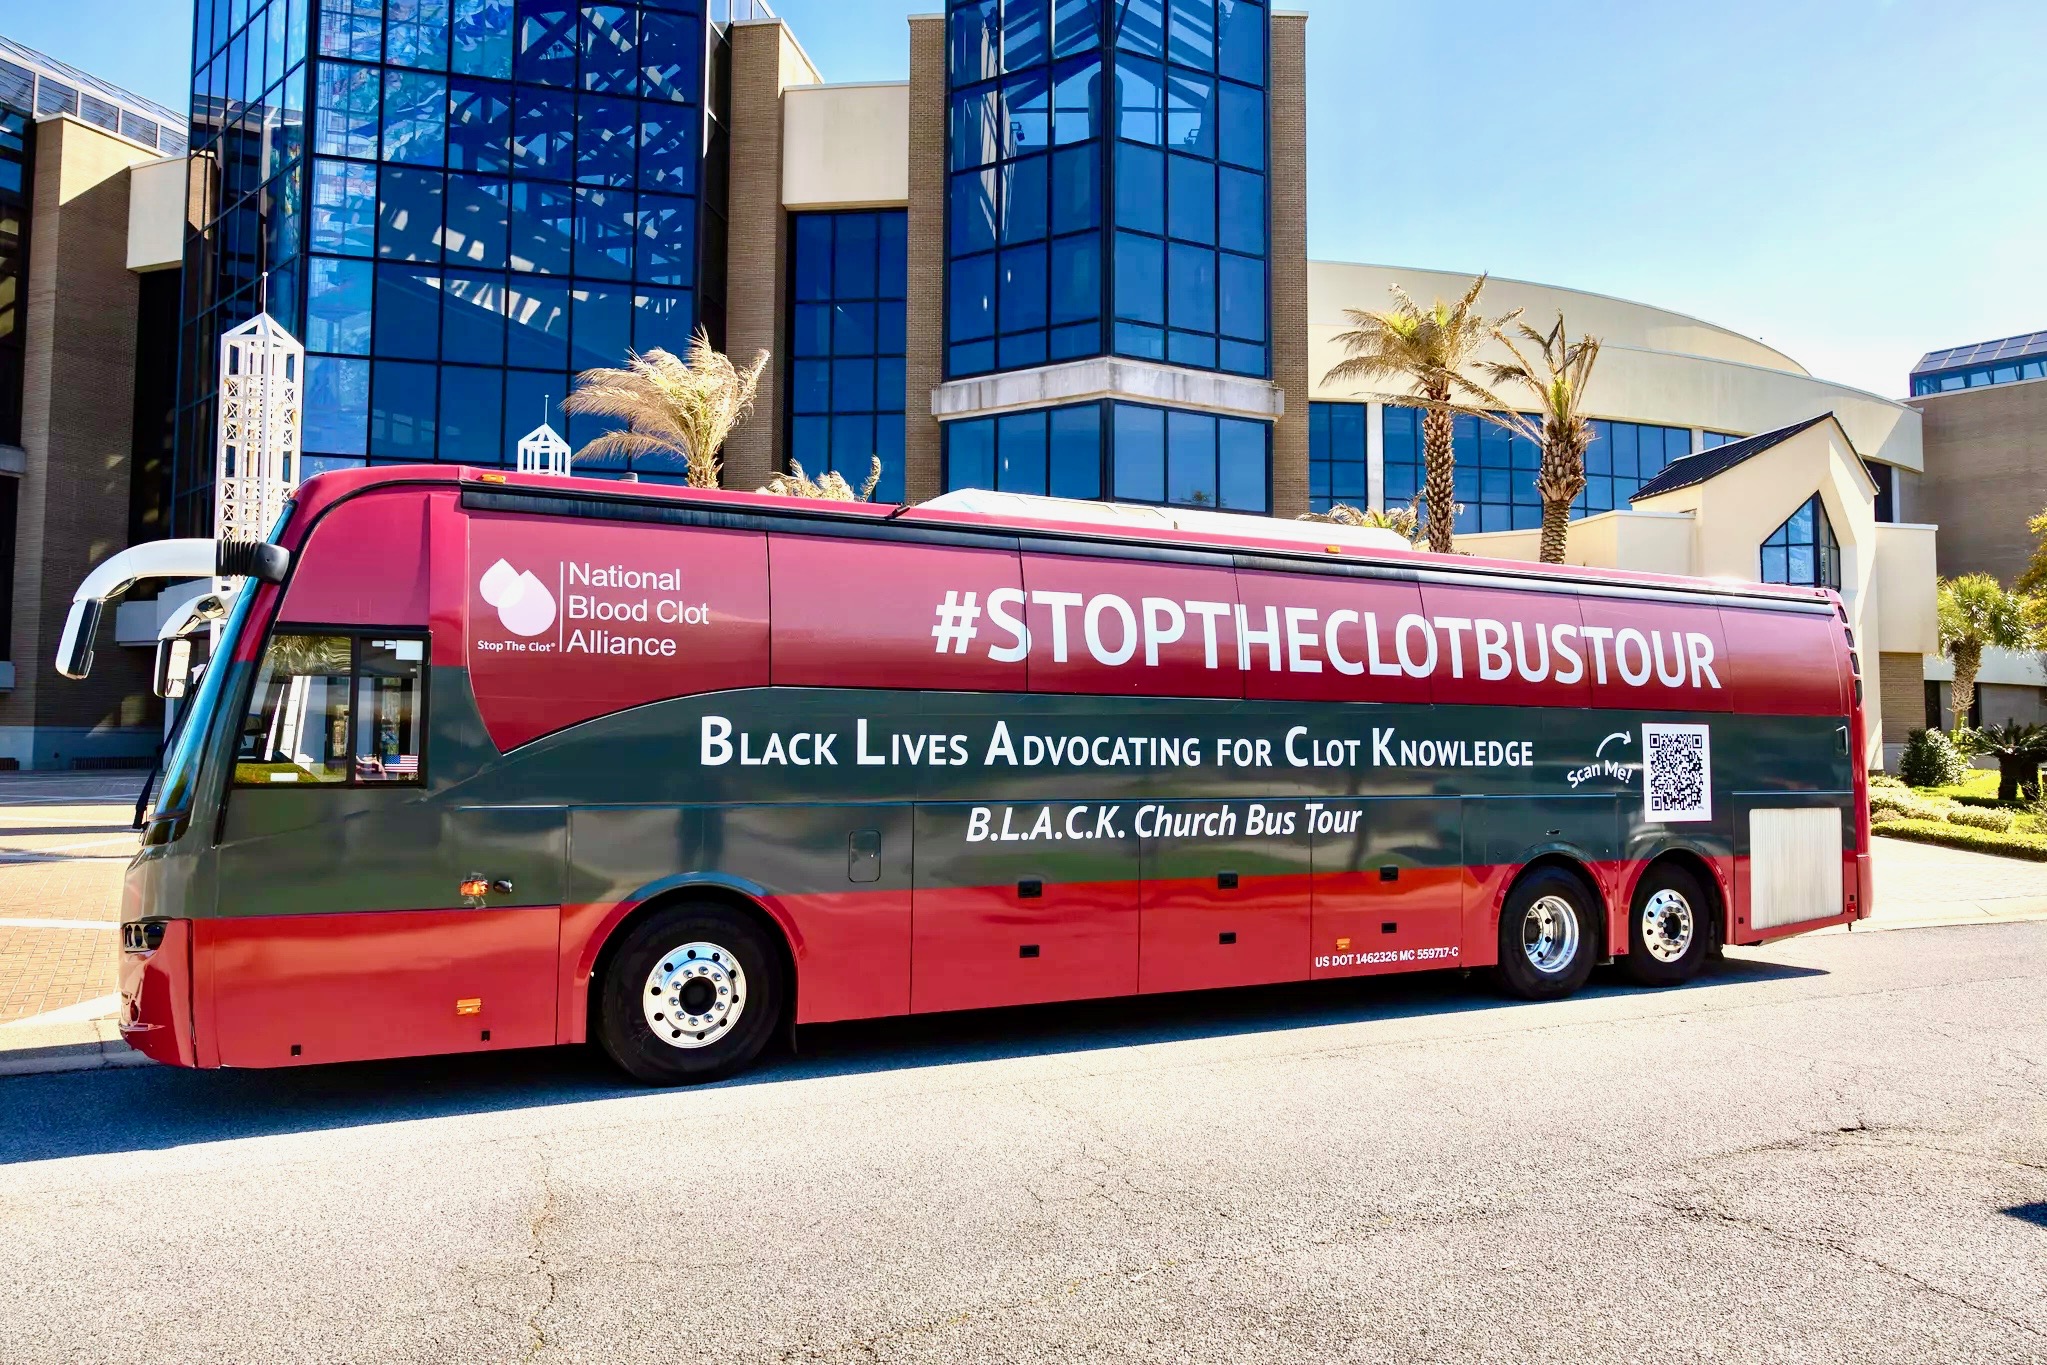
[{"x": 1620, "y": 735}]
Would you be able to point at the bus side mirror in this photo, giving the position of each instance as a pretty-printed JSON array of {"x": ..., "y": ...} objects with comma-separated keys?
[
  {"x": 74, "y": 649},
  {"x": 173, "y": 667}
]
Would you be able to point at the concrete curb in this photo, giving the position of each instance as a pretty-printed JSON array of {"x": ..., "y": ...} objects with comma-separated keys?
[
  {"x": 93, "y": 1056},
  {"x": 92, "y": 1045}
]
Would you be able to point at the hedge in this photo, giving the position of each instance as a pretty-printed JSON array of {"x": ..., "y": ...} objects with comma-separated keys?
[{"x": 2031, "y": 847}]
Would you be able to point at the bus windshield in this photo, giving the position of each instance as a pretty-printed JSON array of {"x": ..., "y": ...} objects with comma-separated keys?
[{"x": 181, "y": 766}]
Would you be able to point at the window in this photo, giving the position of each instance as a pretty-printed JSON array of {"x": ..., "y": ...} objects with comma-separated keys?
[
  {"x": 333, "y": 710},
  {"x": 1886, "y": 479},
  {"x": 1125, "y": 451},
  {"x": 1495, "y": 471},
  {"x": 1337, "y": 456},
  {"x": 1024, "y": 206},
  {"x": 1713, "y": 440},
  {"x": 846, "y": 341},
  {"x": 1803, "y": 550}
]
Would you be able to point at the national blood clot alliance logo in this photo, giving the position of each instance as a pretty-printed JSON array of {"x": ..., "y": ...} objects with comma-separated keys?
[{"x": 524, "y": 604}]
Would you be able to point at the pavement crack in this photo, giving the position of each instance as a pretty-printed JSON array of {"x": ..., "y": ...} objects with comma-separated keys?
[
  {"x": 1710, "y": 1209},
  {"x": 536, "y": 1251}
]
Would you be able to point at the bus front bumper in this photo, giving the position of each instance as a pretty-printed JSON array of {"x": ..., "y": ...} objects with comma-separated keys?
[{"x": 156, "y": 990}]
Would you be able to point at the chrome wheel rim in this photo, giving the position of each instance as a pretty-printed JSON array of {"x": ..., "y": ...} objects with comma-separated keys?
[
  {"x": 1667, "y": 925},
  {"x": 1549, "y": 935},
  {"x": 695, "y": 995}
]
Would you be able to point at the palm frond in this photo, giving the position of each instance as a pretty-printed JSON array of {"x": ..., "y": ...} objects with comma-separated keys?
[{"x": 670, "y": 407}]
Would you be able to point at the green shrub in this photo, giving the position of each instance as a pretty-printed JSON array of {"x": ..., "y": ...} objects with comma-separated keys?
[
  {"x": 1909, "y": 805},
  {"x": 1882, "y": 815},
  {"x": 1930, "y": 760},
  {"x": 1877, "y": 780},
  {"x": 1975, "y": 817},
  {"x": 2032, "y": 847}
]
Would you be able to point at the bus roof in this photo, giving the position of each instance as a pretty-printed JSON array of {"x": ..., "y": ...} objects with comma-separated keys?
[{"x": 1180, "y": 529}]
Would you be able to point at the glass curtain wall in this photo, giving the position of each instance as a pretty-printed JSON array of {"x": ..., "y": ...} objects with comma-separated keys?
[
  {"x": 455, "y": 204},
  {"x": 17, "y": 186},
  {"x": 846, "y": 339},
  {"x": 1137, "y": 201},
  {"x": 1495, "y": 474},
  {"x": 1138, "y": 453},
  {"x": 1108, "y": 197}
]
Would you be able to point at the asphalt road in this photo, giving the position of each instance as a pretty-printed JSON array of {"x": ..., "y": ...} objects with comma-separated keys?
[{"x": 1835, "y": 1149}]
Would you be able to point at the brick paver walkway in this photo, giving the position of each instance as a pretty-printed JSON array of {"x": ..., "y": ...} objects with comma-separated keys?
[{"x": 64, "y": 838}]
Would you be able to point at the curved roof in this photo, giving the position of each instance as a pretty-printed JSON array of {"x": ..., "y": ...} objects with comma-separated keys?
[{"x": 1617, "y": 322}]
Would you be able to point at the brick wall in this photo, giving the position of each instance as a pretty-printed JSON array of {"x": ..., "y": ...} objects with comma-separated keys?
[
  {"x": 1901, "y": 687},
  {"x": 1290, "y": 261},
  {"x": 924, "y": 363},
  {"x": 765, "y": 62},
  {"x": 77, "y": 419},
  {"x": 1986, "y": 475}
]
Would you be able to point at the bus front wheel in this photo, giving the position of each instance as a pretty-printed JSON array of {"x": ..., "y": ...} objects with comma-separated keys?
[
  {"x": 691, "y": 995},
  {"x": 1548, "y": 935}
]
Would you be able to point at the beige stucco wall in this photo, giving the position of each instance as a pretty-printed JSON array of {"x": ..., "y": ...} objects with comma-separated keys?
[
  {"x": 1654, "y": 365},
  {"x": 846, "y": 146},
  {"x": 156, "y": 214},
  {"x": 1906, "y": 589},
  {"x": 1649, "y": 542},
  {"x": 1716, "y": 529}
]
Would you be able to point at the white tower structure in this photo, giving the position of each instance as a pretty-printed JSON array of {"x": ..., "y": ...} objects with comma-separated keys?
[
  {"x": 543, "y": 451},
  {"x": 262, "y": 371}
]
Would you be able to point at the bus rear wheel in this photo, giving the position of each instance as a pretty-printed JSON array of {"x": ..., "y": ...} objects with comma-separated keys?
[
  {"x": 1548, "y": 935},
  {"x": 1670, "y": 928},
  {"x": 692, "y": 994}
]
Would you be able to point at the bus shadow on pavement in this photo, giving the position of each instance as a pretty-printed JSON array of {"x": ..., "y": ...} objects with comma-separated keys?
[{"x": 152, "y": 1108}]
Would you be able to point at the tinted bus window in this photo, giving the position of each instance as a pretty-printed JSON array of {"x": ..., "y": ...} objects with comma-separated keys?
[
  {"x": 296, "y": 729},
  {"x": 387, "y": 710}
]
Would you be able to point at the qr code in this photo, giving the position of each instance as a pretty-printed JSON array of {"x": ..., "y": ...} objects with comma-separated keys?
[{"x": 1677, "y": 772}]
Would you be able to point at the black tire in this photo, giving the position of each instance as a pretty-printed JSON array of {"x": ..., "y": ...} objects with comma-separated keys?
[
  {"x": 1671, "y": 928},
  {"x": 1549, "y": 935},
  {"x": 691, "y": 957}
]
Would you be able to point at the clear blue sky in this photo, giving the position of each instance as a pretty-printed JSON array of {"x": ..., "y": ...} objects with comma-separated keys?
[{"x": 1854, "y": 181}]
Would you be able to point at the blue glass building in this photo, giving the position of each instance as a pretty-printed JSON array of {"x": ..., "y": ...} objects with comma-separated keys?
[
  {"x": 455, "y": 204},
  {"x": 1107, "y": 197}
]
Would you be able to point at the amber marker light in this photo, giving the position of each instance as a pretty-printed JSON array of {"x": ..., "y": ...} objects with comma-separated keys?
[
  {"x": 472, "y": 1006},
  {"x": 477, "y": 887},
  {"x": 490, "y": 478}
]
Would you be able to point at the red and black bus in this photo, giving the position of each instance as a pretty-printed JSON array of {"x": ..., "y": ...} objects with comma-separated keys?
[{"x": 494, "y": 761}]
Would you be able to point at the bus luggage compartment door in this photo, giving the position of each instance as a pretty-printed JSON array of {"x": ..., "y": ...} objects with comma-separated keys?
[
  {"x": 1388, "y": 884},
  {"x": 1022, "y": 904},
  {"x": 1225, "y": 899},
  {"x": 1796, "y": 868}
]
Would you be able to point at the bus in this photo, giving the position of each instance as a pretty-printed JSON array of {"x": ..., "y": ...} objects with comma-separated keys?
[{"x": 488, "y": 761}]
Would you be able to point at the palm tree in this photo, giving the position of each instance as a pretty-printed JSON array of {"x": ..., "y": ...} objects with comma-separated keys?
[
  {"x": 1406, "y": 522},
  {"x": 2020, "y": 748},
  {"x": 1430, "y": 348},
  {"x": 1560, "y": 428},
  {"x": 833, "y": 487},
  {"x": 1976, "y": 613},
  {"x": 670, "y": 407}
]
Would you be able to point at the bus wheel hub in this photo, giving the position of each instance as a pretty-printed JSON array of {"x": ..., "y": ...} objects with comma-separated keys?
[
  {"x": 1667, "y": 926},
  {"x": 694, "y": 995}
]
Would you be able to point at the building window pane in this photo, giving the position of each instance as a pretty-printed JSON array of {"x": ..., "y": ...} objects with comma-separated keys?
[
  {"x": 338, "y": 304},
  {"x": 472, "y": 415},
  {"x": 1020, "y": 453},
  {"x": 416, "y": 33},
  {"x": 482, "y": 38},
  {"x": 970, "y": 454},
  {"x": 1075, "y": 452},
  {"x": 1140, "y": 454},
  {"x": 404, "y": 410},
  {"x": 848, "y": 335}
]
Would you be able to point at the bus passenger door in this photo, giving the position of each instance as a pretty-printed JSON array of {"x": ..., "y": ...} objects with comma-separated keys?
[
  {"x": 1388, "y": 885},
  {"x": 1018, "y": 904},
  {"x": 1225, "y": 901}
]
